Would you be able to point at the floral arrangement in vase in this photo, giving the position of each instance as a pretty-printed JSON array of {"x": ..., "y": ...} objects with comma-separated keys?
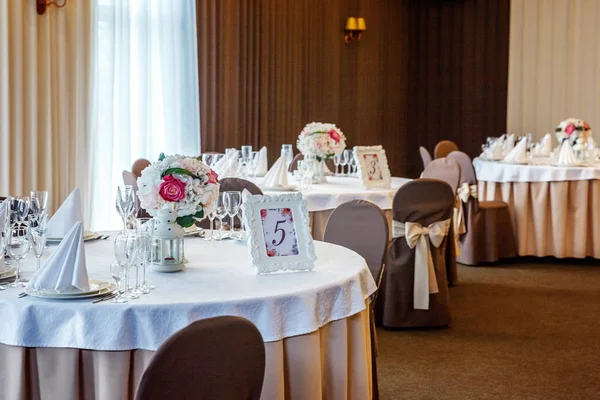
[
  {"x": 576, "y": 131},
  {"x": 183, "y": 184},
  {"x": 321, "y": 140}
]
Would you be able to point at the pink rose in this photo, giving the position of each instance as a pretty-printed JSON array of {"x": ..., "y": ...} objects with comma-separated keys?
[
  {"x": 334, "y": 135},
  {"x": 212, "y": 177},
  {"x": 172, "y": 189},
  {"x": 569, "y": 129},
  {"x": 586, "y": 126}
]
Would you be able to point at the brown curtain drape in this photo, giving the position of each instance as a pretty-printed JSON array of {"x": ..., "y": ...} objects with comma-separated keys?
[
  {"x": 268, "y": 67},
  {"x": 458, "y": 73}
]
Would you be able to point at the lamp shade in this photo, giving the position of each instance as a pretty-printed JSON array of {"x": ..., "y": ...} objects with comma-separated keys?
[
  {"x": 351, "y": 24},
  {"x": 361, "y": 24}
]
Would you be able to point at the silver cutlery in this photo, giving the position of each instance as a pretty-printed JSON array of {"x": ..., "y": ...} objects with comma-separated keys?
[
  {"x": 106, "y": 297},
  {"x": 22, "y": 294}
]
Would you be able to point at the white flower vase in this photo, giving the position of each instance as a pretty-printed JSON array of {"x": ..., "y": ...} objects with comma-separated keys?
[
  {"x": 319, "y": 172},
  {"x": 167, "y": 243}
]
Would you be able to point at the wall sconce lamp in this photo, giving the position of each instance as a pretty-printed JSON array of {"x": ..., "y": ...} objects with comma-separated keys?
[
  {"x": 42, "y": 5},
  {"x": 354, "y": 29}
]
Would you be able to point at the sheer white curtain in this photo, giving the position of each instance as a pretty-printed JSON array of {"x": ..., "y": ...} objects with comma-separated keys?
[{"x": 145, "y": 91}]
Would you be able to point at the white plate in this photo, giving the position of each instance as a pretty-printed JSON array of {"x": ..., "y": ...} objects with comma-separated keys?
[
  {"x": 87, "y": 236},
  {"x": 192, "y": 230},
  {"x": 69, "y": 296},
  {"x": 96, "y": 286},
  {"x": 515, "y": 163},
  {"x": 289, "y": 188}
]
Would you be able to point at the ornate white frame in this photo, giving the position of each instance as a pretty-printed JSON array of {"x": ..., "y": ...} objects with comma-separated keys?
[
  {"x": 251, "y": 207},
  {"x": 386, "y": 182}
]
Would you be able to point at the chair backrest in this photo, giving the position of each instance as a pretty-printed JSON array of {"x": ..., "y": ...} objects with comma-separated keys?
[
  {"x": 424, "y": 201},
  {"x": 138, "y": 166},
  {"x": 425, "y": 156},
  {"x": 467, "y": 172},
  {"x": 444, "y": 169},
  {"x": 347, "y": 225},
  {"x": 215, "y": 358},
  {"x": 238, "y": 184},
  {"x": 443, "y": 148},
  {"x": 294, "y": 164}
]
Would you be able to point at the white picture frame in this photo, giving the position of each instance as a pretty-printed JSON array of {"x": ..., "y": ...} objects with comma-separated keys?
[
  {"x": 279, "y": 237},
  {"x": 373, "y": 175}
]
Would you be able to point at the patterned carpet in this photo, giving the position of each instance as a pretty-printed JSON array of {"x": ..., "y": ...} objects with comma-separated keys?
[{"x": 529, "y": 329}]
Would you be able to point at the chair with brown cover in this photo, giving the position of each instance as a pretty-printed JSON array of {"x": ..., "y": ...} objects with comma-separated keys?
[
  {"x": 428, "y": 203},
  {"x": 138, "y": 166},
  {"x": 443, "y": 148},
  {"x": 215, "y": 358},
  {"x": 489, "y": 232},
  {"x": 444, "y": 169},
  {"x": 346, "y": 227},
  {"x": 425, "y": 156}
]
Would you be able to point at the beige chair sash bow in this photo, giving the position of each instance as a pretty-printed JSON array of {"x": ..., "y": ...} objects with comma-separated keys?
[
  {"x": 419, "y": 236},
  {"x": 464, "y": 192}
]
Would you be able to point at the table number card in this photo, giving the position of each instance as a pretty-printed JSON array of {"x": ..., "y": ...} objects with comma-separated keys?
[
  {"x": 373, "y": 166},
  {"x": 278, "y": 233}
]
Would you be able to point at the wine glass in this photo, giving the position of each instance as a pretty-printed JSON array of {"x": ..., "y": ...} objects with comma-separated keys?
[
  {"x": 37, "y": 235},
  {"x": 125, "y": 203},
  {"x": 288, "y": 152},
  {"x": 144, "y": 228},
  {"x": 347, "y": 157},
  {"x": 254, "y": 159},
  {"x": 118, "y": 273},
  {"x": 211, "y": 217},
  {"x": 337, "y": 159},
  {"x": 208, "y": 159},
  {"x": 19, "y": 208},
  {"x": 232, "y": 202},
  {"x": 353, "y": 165},
  {"x": 343, "y": 162},
  {"x": 220, "y": 213},
  {"x": 17, "y": 247},
  {"x": 38, "y": 201},
  {"x": 126, "y": 247}
]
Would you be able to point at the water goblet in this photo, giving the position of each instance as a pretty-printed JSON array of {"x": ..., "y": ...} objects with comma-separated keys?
[
  {"x": 232, "y": 202},
  {"x": 118, "y": 272},
  {"x": 125, "y": 203},
  {"x": 220, "y": 213},
  {"x": 17, "y": 246},
  {"x": 38, "y": 201},
  {"x": 126, "y": 247},
  {"x": 144, "y": 228},
  {"x": 19, "y": 208},
  {"x": 211, "y": 217},
  {"x": 347, "y": 159},
  {"x": 287, "y": 151},
  {"x": 337, "y": 159}
]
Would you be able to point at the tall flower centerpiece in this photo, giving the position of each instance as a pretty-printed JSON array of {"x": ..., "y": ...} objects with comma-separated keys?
[
  {"x": 177, "y": 191},
  {"x": 321, "y": 141},
  {"x": 576, "y": 131}
]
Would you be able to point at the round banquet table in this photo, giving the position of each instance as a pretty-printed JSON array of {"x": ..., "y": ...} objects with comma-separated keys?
[
  {"x": 553, "y": 208},
  {"x": 323, "y": 198},
  {"x": 315, "y": 326}
]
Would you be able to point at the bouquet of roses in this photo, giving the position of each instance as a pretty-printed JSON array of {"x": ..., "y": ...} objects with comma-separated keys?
[
  {"x": 183, "y": 184},
  {"x": 321, "y": 140},
  {"x": 574, "y": 130}
]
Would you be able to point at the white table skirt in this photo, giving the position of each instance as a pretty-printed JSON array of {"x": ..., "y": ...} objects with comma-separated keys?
[
  {"x": 541, "y": 171},
  {"x": 217, "y": 281},
  {"x": 339, "y": 190}
]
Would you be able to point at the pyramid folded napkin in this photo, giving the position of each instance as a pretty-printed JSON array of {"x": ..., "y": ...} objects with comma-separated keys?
[
  {"x": 277, "y": 176},
  {"x": 519, "y": 153},
  {"x": 566, "y": 155},
  {"x": 545, "y": 147},
  {"x": 66, "y": 216},
  {"x": 65, "y": 270},
  {"x": 227, "y": 166},
  {"x": 508, "y": 143},
  {"x": 262, "y": 164},
  {"x": 494, "y": 152}
]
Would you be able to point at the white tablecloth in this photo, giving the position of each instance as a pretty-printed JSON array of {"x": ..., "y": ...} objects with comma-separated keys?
[
  {"x": 339, "y": 190},
  {"x": 217, "y": 281},
  {"x": 540, "y": 171}
]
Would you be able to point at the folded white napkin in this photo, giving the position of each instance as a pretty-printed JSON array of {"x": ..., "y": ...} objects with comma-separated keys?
[
  {"x": 494, "y": 152},
  {"x": 277, "y": 175},
  {"x": 508, "y": 143},
  {"x": 66, "y": 216},
  {"x": 65, "y": 270},
  {"x": 227, "y": 166},
  {"x": 263, "y": 164},
  {"x": 519, "y": 153},
  {"x": 545, "y": 147},
  {"x": 566, "y": 155}
]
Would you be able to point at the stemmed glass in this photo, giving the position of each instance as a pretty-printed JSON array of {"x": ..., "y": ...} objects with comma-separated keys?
[
  {"x": 246, "y": 154},
  {"x": 144, "y": 228},
  {"x": 126, "y": 247},
  {"x": 117, "y": 271},
  {"x": 232, "y": 202},
  {"x": 211, "y": 217},
  {"x": 38, "y": 201},
  {"x": 352, "y": 165},
  {"x": 17, "y": 247},
  {"x": 125, "y": 203},
  {"x": 208, "y": 159},
  {"x": 346, "y": 160},
  {"x": 37, "y": 235},
  {"x": 220, "y": 213},
  {"x": 288, "y": 151},
  {"x": 254, "y": 159},
  {"x": 337, "y": 159},
  {"x": 2, "y": 248},
  {"x": 19, "y": 208}
]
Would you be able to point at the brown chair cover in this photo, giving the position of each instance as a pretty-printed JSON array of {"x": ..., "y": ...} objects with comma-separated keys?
[
  {"x": 425, "y": 156},
  {"x": 444, "y": 169},
  {"x": 346, "y": 227},
  {"x": 138, "y": 166},
  {"x": 294, "y": 164},
  {"x": 215, "y": 358},
  {"x": 489, "y": 232},
  {"x": 443, "y": 148},
  {"x": 424, "y": 201}
]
